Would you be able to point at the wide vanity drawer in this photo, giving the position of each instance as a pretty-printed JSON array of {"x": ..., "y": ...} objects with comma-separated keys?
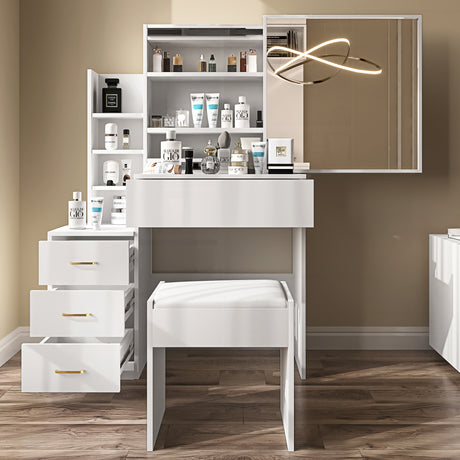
[
  {"x": 80, "y": 313},
  {"x": 75, "y": 365},
  {"x": 85, "y": 262}
]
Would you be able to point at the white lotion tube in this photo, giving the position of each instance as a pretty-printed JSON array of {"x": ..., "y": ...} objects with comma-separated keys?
[
  {"x": 212, "y": 109},
  {"x": 197, "y": 101},
  {"x": 258, "y": 153},
  {"x": 97, "y": 204}
]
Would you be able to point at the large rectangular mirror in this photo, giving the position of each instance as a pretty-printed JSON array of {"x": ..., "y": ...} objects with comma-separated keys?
[{"x": 347, "y": 89}]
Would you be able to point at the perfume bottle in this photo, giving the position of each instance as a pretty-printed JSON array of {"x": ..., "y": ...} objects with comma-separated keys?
[
  {"x": 226, "y": 117},
  {"x": 171, "y": 149},
  {"x": 111, "y": 96},
  {"x": 157, "y": 60},
  {"x": 212, "y": 64},
  {"x": 242, "y": 61},
  {"x": 231, "y": 63},
  {"x": 77, "y": 212},
  {"x": 210, "y": 164},
  {"x": 125, "y": 143},
  {"x": 177, "y": 63},
  {"x": 166, "y": 62},
  {"x": 252, "y": 61},
  {"x": 242, "y": 113}
]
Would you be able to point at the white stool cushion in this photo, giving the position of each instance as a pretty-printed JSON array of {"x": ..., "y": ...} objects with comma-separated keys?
[{"x": 221, "y": 294}]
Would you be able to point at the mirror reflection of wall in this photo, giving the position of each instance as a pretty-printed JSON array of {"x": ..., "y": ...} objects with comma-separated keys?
[{"x": 352, "y": 121}]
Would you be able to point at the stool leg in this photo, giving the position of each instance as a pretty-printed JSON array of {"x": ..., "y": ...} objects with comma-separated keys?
[
  {"x": 156, "y": 394},
  {"x": 287, "y": 394}
]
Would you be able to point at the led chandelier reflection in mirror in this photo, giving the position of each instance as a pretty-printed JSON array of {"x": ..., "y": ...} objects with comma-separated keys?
[{"x": 307, "y": 57}]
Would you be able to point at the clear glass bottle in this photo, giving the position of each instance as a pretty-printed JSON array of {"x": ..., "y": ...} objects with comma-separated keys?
[
  {"x": 125, "y": 139},
  {"x": 210, "y": 164},
  {"x": 212, "y": 64}
]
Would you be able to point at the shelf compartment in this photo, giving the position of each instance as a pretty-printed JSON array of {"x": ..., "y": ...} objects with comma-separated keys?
[
  {"x": 117, "y": 152},
  {"x": 119, "y": 116},
  {"x": 205, "y": 76},
  {"x": 191, "y": 41},
  {"x": 206, "y": 130}
]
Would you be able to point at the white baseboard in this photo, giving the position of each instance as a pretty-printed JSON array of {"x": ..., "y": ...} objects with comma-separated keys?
[
  {"x": 367, "y": 338},
  {"x": 11, "y": 344}
]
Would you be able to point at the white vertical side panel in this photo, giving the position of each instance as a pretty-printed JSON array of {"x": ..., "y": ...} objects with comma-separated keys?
[
  {"x": 92, "y": 88},
  {"x": 299, "y": 271},
  {"x": 444, "y": 298}
]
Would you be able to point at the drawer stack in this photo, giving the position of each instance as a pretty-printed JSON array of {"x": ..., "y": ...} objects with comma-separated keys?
[{"x": 86, "y": 317}]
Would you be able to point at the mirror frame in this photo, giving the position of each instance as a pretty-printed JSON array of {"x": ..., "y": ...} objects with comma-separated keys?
[{"x": 418, "y": 18}]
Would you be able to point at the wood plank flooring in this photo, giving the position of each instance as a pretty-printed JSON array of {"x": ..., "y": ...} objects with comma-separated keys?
[{"x": 224, "y": 404}]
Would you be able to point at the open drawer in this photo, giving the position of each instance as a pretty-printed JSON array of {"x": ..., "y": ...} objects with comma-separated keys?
[
  {"x": 80, "y": 313},
  {"x": 75, "y": 365},
  {"x": 85, "y": 263}
]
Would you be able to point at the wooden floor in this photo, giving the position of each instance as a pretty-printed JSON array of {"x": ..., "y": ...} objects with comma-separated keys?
[{"x": 225, "y": 404}]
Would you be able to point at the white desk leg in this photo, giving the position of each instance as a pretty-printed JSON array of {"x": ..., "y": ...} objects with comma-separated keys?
[
  {"x": 299, "y": 253},
  {"x": 156, "y": 393}
]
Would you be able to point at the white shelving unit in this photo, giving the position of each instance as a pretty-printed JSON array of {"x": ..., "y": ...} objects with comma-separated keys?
[{"x": 166, "y": 92}]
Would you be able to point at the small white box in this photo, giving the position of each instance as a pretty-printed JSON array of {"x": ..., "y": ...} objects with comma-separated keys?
[{"x": 280, "y": 151}]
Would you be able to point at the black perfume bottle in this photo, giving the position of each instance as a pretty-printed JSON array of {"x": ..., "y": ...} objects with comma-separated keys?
[{"x": 111, "y": 96}]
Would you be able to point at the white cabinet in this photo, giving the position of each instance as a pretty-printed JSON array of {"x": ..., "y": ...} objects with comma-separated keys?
[{"x": 445, "y": 298}]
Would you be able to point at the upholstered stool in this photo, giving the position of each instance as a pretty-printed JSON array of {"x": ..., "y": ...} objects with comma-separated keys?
[{"x": 212, "y": 314}]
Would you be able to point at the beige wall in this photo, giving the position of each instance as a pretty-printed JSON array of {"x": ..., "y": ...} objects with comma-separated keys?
[
  {"x": 367, "y": 256},
  {"x": 9, "y": 164}
]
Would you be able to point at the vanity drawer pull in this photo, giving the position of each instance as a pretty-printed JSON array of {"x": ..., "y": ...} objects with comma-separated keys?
[
  {"x": 83, "y": 263},
  {"x": 76, "y": 314},
  {"x": 57, "y": 371}
]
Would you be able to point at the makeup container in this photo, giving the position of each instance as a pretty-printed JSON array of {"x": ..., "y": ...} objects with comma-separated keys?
[
  {"x": 246, "y": 144},
  {"x": 166, "y": 62},
  {"x": 202, "y": 64},
  {"x": 126, "y": 166},
  {"x": 97, "y": 205},
  {"x": 77, "y": 212},
  {"x": 231, "y": 63},
  {"x": 111, "y": 96},
  {"x": 126, "y": 139},
  {"x": 252, "y": 61},
  {"x": 169, "y": 121},
  {"x": 210, "y": 164},
  {"x": 238, "y": 161},
  {"x": 156, "y": 121},
  {"x": 157, "y": 60},
  {"x": 177, "y": 63},
  {"x": 111, "y": 173},
  {"x": 242, "y": 61},
  {"x": 259, "y": 121},
  {"x": 118, "y": 214},
  {"x": 188, "y": 154},
  {"x": 182, "y": 118},
  {"x": 212, "y": 64},
  {"x": 242, "y": 113},
  {"x": 111, "y": 136},
  {"x": 226, "y": 117}
]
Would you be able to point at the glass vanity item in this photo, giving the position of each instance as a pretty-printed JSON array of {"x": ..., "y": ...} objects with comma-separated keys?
[
  {"x": 157, "y": 121},
  {"x": 210, "y": 164},
  {"x": 126, "y": 139},
  {"x": 177, "y": 63},
  {"x": 157, "y": 60},
  {"x": 111, "y": 96},
  {"x": 212, "y": 64},
  {"x": 169, "y": 121},
  {"x": 242, "y": 61},
  {"x": 188, "y": 154},
  {"x": 182, "y": 118},
  {"x": 231, "y": 63},
  {"x": 239, "y": 161},
  {"x": 166, "y": 62}
]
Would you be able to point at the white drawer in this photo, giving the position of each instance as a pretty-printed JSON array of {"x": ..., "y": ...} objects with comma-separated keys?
[
  {"x": 80, "y": 313},
  {"x": 85, "y": 263},
  {"x": 75, "y": 365}
]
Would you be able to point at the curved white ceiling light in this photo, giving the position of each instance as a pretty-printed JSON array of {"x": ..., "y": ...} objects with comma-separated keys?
[{"x": 307, "y": 56}]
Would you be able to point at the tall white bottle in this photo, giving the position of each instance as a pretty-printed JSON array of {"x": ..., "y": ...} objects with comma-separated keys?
[
  {"x": 170, "y": 148},
  {"x": 242, "y": 113},
  {"x": 77, "y": 212},
  {"x": 226, "y": 117}
]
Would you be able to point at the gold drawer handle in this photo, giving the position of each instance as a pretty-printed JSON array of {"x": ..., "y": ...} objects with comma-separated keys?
[
  {"x": 83, "y": 263},
  {"x": 56, "y": 371},
  {"x": 76, "y": 314}
]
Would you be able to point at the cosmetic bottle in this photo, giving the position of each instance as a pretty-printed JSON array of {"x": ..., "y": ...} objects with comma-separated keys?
[
  {"x": 111, "y": 173},
  {"x": 166, "y": 62},
  {"x": 259, "y": 121},
  {"x": 177, "y": 63},
  {"x": 202, "y": 65},
  {"x": 210, "y": 164},
  {"x": 111, "y": 136},
  {"x": 242, "y": 61},
  {"x": 111, "y": 96},
  {"x": 97, "y": 207},
  {"x": 157, "y": 60},
  {"x": 125, "y": 143},
  {"x": 242, "y": 113},
  {"x": 239, "y": 161},
  {"x": 188, "y": 154},
  {"x": 118, "y": 214},
  {"x": 252, "y": 61},
  {"x": 171, "y": 149},
  {"x": 77, "y": 212},
  {"x": 212, "y": 64},
  {"x": 226, "y": 117},
  {"x": 126, "y": 166},
  {"x": 231, "y": 63}
]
